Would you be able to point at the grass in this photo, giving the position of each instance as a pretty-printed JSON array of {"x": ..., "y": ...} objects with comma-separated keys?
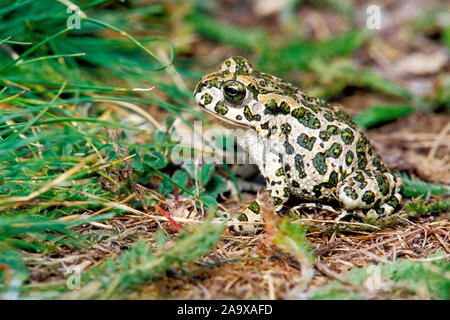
[
  {"x": 55, "y": 131},
  {"x": 78, "y": 175}
]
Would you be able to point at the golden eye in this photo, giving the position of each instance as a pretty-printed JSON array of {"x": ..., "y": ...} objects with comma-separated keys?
[{"x": 234, "y": 91}]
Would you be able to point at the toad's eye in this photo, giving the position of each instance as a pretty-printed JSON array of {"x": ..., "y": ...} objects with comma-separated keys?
[{"x": 234, "y": 91}]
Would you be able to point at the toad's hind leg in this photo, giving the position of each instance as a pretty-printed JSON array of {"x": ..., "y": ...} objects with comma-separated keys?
[
  {"x": 322, "y": 207},
  {"x": 379, "y": 192},
  {"x": 318, "y": 206}
]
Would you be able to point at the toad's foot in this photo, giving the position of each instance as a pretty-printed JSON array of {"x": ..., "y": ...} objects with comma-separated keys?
[{"x": 248, "y": 222}]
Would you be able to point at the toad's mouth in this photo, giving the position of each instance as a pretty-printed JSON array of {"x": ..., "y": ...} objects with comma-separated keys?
[{"x": 226, "y": 120}]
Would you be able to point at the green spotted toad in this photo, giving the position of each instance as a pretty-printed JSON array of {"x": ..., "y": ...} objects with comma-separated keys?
[{"x": 304, "y": 147}]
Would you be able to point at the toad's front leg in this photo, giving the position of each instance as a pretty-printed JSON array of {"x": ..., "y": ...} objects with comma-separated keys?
[
  {"x": 272, "y": 170},
  {"x": 276, "y": 180}
]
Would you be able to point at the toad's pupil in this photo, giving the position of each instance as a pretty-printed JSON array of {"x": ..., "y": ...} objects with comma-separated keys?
[{"x": 232, "y": 91}]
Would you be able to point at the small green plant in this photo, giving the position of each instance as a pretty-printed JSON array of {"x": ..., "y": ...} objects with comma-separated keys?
[
  {"x": 415, "y": 187},
  {"x": 119, "y": 275},
  {"x": 402, "y": 279},
  {"x": 382, "y": 113},
  {"x": 420, "y": 207},
  {"x": 291, "y": 238}
]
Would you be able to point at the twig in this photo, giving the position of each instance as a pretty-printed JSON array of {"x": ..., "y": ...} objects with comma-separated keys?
[
  {"x": 440, "y": 241},
  {"x": 347, "y": 255},
  {"x": 438, "y": 141},
  {"x": 134, "y": 108},
  {"x": 338, "y": 222},
  {"x": 328, "y": 272}
]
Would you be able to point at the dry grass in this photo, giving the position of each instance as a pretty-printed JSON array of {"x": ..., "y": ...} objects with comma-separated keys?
[{"x": 248, "y": 267}]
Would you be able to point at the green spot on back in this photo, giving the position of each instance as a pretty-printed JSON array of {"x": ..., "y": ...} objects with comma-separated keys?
[
  {"x": 328, "y": 116},
  {"x": 289, "y": 149},
  {"x": 330, "y": 131},
  {"x": 299, "y": 166},
  {"x": 378, "y": 163},
  {"x": 334, "y": 151},
  {"x": 383, "y": 184},
  {"x": 286, "y": 128},
  {"x": 359, "y": 177},
  {"x": 311, "y": 105},
  {"x": 306, "y": 118},
  {"x": 361, "y": 146},
  {"x": 333, "y": 180},
  {"x": 347, "y": 135},
  {"x": 349, "y": 156},
  {"x": 273, "y": 108},
  {"x": 306, "y": 142},
  {"x": 319, "y": 163}
]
